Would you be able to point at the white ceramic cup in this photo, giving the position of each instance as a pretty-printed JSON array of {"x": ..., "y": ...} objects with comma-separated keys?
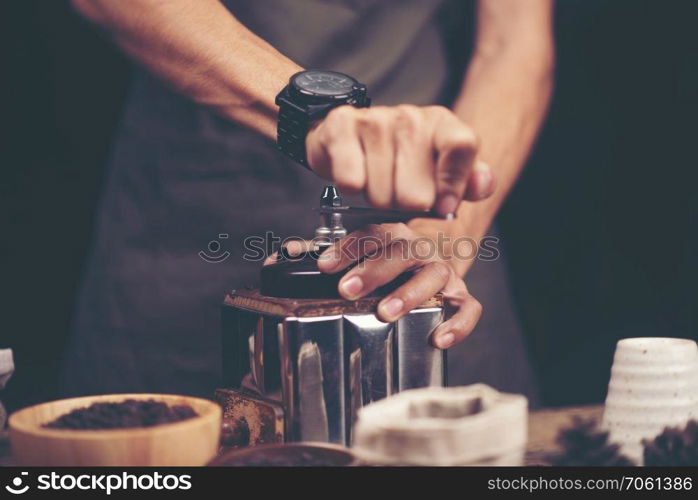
[{"x": 654, "y": 384}]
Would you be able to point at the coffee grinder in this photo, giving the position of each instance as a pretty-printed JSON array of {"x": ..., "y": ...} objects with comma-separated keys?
[{"x": 299, "y": 361}]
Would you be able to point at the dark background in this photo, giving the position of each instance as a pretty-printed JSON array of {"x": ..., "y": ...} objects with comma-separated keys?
[{"x": 601, "y": 231}]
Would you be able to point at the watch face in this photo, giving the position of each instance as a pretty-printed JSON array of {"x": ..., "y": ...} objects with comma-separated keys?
[{"x": 324, "y": 83}]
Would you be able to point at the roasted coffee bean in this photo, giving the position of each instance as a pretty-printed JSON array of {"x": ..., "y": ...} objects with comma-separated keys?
[{"x": 125, "y": 414}]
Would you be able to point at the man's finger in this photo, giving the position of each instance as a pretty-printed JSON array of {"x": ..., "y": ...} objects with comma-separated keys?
[
  {"x": 359, "y": 244},
  {"x": 334, "y": 150},
  {"x": 377, "y": 270},
  {"x": 292, "y": 248},
  {"x": 458, "y": 326},
  {"x": 375, "y": 131},
  {"x": 456, "y": 146},
  {"x": 481, "y": 182},
  {"x": 429, "y": 280},
  {"x": 271, "y": 259},
  {"x": 414, "y": 160}
]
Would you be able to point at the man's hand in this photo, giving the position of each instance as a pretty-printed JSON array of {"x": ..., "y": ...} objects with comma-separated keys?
[
  {"x": 387, "y": 251},
  {"x": 404, "y": 156}
]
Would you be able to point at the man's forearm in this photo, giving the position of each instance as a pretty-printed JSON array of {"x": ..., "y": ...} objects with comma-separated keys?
[
  {"x": 504, "y": 98},
  {"x": 505, "y": 101},
  {"x": 505, "y": 94},
  {"x": 198, "y": 48}
]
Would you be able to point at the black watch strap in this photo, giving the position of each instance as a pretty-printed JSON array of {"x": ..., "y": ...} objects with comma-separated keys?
[{"x": 293, "y": 127}]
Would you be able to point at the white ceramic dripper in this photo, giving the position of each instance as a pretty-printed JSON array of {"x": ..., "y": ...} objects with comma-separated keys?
[{"x": 654, "y": 384}]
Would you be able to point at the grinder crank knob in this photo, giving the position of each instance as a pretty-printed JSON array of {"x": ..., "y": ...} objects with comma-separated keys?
[{"x": 330, "y": 197}]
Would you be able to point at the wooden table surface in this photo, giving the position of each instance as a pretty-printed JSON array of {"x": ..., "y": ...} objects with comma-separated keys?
[
  {"x": 543, "y": 427},
  {"x": 5, "y": 452}
]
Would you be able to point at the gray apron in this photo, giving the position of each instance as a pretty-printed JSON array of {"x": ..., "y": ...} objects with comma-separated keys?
[{"x": 180, "y": 177}]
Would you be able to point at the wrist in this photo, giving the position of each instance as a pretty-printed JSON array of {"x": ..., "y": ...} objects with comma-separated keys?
[{"x": 309, "y": 96}]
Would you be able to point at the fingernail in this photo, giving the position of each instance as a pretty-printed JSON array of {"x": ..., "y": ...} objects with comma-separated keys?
[
  {"x": 352, "y": 287},
  {"x": 447, "y": 205},
  {"x": 445, "y": 341},
  {"x": 393, "y": 307}
]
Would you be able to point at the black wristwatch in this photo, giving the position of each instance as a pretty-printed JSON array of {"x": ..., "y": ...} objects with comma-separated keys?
[{"x": 308, "y": 97}]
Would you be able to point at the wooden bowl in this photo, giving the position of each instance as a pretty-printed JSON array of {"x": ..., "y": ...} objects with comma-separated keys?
[{"x": 189, "y": 442}]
